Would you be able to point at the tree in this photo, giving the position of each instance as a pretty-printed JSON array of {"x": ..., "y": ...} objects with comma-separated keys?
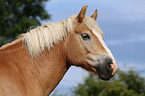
[
  {"x": 18, "y": 15},
  {"x": 123, "y": 84}
]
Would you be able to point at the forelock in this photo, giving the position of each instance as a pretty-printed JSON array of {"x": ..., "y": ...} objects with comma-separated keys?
[{"x": 92, "y": 24}]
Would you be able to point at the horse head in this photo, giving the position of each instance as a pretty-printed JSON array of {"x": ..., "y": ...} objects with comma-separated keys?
[{"x": 85, "y": 47}]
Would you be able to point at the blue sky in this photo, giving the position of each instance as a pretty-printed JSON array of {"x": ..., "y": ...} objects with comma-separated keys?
[{"x": 123, "y": 24}]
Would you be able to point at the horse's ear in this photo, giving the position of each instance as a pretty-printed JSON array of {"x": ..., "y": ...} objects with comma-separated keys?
[
  {"x": 82, "y": 13},
  {"x": 94, "y": 16}
]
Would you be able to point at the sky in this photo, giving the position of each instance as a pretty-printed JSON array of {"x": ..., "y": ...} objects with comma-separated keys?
[{"x": 123, "y": 25}]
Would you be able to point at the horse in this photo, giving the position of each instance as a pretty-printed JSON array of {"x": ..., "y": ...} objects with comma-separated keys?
[{"x": 34, "y": 63}]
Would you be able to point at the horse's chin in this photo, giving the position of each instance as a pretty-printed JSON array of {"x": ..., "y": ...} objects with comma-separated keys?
[
  {"x": 103, "y": 76},
  {"x": 100, "y": 74}
]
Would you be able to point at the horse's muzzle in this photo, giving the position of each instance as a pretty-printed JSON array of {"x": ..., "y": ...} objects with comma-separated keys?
[{"x": 104, "y": 68}]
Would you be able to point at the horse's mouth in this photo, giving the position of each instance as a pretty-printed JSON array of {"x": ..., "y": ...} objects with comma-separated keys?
[{"x": 103, "y": 75}]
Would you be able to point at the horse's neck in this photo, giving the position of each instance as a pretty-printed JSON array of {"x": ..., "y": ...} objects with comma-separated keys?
[{"x": 40, "y": 74}]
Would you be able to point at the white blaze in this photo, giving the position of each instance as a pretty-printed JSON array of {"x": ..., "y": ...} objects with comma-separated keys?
[{"x": 98, "y": 35}]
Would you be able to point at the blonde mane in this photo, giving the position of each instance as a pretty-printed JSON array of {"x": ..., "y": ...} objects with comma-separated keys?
[
  {"x": 49, "y": 34},
  {"x": 46, "y": 35}
]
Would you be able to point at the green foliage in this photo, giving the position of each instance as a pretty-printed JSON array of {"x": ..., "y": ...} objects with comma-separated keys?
[
  {"x": 18, "y": 15},
  {"x": 123, "y": 84},
  {"x": 133, "y": 81}
]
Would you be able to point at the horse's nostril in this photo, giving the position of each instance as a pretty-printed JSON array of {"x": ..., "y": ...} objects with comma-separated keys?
[
  {"x": 98, "y": 60},
  {"x": 109, "y": 63}
]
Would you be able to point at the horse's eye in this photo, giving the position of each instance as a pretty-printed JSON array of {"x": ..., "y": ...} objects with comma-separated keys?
[{"x": 85, "y": 36}]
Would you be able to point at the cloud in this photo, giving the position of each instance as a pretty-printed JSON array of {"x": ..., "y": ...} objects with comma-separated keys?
[
  {"x": 133, "y": 39},
  {"x": 131, "y": 9}
]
